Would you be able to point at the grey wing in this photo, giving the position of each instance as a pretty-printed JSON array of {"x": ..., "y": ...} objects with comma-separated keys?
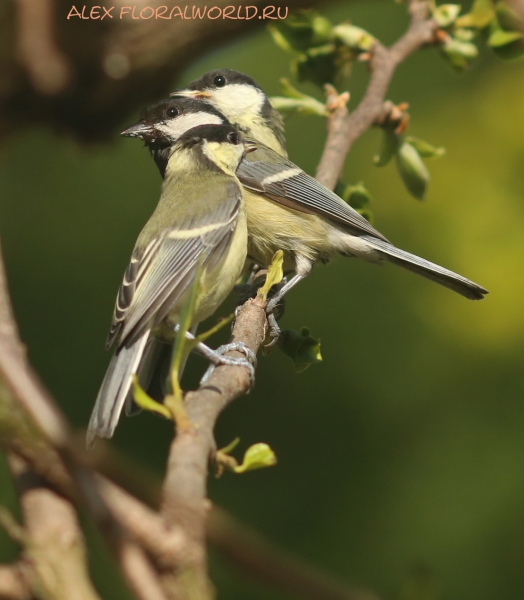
[
  {"x": 157, "y": 278},
  {"x": 265, "y": 171}
]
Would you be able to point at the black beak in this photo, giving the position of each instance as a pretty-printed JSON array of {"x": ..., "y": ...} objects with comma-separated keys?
[{"x": 140, "y": 130}]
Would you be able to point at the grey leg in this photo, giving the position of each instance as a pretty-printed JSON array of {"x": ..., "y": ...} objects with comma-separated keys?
[
  {"x": 274, "y": 329},
  {"x": 216, "y": 358}
]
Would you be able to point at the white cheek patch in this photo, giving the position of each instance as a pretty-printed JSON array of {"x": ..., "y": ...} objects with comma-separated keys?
[
  {"x": 236, "y": 99},
  {"x": 174, "y": 128}
]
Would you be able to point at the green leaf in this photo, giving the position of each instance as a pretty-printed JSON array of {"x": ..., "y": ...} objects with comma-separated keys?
[
  {"x": 499, "y": 38},
  {"x": 290, "y": 91},
  {"x": 280, "y": 40},
  {"x": 389, "y": 145},
  {"x": 353, "y": 37},
  {"x": 319, "y": 65},
  {"x": 357, "y": 195},
  {"x": 274, "y": 275},
  {"x": 445, "y": 14},
  {"x": 460, "y": 54},
  {"x": 412, "y": 170},
  {"x": 257, "y": 456},
  {"x": 302, "y": 30},
  {"x": 145, "y": 402},
  {"x": 305, "y": 107},
  {"x": 303, "y": 349},
  {"x": 425, "y": 149},
  {"x": 296, "y": 100},
  {"x": 479, "y": 16},
  {"x": 463, "y": 35}
]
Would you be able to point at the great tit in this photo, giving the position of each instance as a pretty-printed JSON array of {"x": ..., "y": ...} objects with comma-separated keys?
[
  {"x": 244, "y": 104},
  {"x": 289, "y": 210},
  {"x": 198, "y": 227}
]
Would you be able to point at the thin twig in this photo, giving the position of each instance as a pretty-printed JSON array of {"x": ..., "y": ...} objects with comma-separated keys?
[{"x": 343, "y": 128}]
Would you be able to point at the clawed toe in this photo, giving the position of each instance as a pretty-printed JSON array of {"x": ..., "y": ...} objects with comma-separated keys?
[{"x": 218, "y": 359}]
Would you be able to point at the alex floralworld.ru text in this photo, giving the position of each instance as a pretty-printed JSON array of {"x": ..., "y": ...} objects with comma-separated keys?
[{"x": 178, "y": 12}]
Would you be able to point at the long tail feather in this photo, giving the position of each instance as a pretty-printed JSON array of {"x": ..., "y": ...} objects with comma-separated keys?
[
  {"x": 114, "y": 390},
  {"x": 427, "y": 269}
]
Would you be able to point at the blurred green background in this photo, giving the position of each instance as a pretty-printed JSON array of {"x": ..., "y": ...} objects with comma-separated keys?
[{"x": 401, "y": 453}]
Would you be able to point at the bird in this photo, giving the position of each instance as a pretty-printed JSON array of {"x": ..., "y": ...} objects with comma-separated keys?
[
  {"x": 243, "y": 102},
  {"x": 198, "y": 230},
  {"x": 287, "y": 209}
]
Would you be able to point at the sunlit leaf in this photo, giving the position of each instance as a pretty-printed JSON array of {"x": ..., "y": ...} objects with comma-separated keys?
[
  {"x": 480, "y": 15},
  {"x": 353, "y": 37},
  {"x": 274, "y": 275},
  {"x": 425, "y": 149},
  {"x": 445, "y": 14},
  {"x": 257, "y": 456},
  {"x": 145, "y": 402},
  {"x": 460, "y": 54},
  {"x": 389, "y": 145},
  {"x": 412, "y": 170},
  {"x": 502, "y": 38}
]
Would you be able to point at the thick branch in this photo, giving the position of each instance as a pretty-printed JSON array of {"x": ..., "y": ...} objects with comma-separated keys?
[
  {"x": 184, "y": 498},
  {"x": 13, "y": 583},
  {"x": 55, "y": 547},
  {"x": 343, "y": 128}
]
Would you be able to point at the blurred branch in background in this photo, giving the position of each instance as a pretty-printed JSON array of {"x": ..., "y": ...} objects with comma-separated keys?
[
  {"x": 149, "y": 550},
  {"x": 84, "y": 77},
  {"x": 518, "y": 6}
]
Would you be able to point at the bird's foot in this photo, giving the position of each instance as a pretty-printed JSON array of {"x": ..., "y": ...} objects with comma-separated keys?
[{"x": 217, "y": 358}]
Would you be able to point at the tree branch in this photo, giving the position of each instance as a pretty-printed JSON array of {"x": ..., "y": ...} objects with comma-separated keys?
[
  {"x": 184, "y": 498},
  {"x": 55, "y": 547},
  {"x": 345, "y": 128},
  {"x": 13, "y": 584}
]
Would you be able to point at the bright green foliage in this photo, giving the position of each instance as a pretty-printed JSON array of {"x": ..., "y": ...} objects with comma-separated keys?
[
  {"x": 257, "y": 456},
  {"x": 303, "y": 349},
  {"x": 408, "y": 152},
  {"x": 425, "y": 149},
  {"x": 412, "y": 170},
  {"x": 506, "y": 37},
  {"x": 388, "y": 147},
  {"x": 274, "y": 275},
  {"x": 459, "y": 53},
  {"x": 145, "y": 402},
  {"x": 445, "y": 14},
  {"x": 293, "y": 100},
  {"x": 353, "y": 37},
  {"x": 358, "y": 197},
  {"x": 322, "y": 53}
]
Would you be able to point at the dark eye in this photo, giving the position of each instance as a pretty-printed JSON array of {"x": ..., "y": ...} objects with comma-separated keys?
[
  {"x": 219, "y": 81},
  {"x": 233, "y": 137},
  {"x": 171, "y": 112}
]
